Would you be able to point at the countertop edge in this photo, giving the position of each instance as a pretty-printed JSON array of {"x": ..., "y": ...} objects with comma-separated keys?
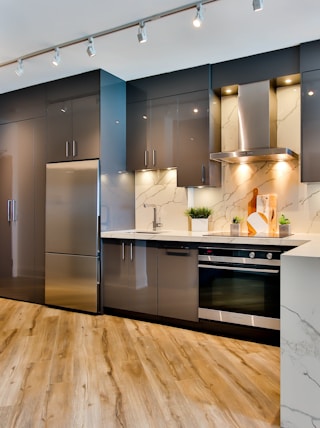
[{"x": 307, "y": 245}]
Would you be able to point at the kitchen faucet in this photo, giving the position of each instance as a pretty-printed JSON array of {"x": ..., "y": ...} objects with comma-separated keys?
[{"x": 155, "y": 224}]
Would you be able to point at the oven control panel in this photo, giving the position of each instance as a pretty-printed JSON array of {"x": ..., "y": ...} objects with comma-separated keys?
[{"x": 241, "y": 254}]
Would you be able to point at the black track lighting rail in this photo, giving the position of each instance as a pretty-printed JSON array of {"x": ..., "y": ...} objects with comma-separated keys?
[{"x": 108, "y": 31}]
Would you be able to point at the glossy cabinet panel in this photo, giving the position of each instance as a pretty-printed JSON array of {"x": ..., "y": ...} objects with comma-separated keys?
[
  {"x": 167, "y": 128},
  {"x": 151, "y": 278},
  {"x": 22, "y": 207},
  {"x": 130, "y": 276},
  {"x": 178, "y": 282},
  {"x": 193, "y": 141},
  {"x": 151, "y": 132},
  {"x": 73, "y": 129},
  {"x": 310, "y": 126}
]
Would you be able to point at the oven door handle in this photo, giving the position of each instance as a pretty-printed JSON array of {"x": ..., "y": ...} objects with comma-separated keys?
[{"x": 258, "y": 270}]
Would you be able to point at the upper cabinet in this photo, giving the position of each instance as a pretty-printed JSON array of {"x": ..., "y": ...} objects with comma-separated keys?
[
  {"x": 197, "y": 134},
  {"x": 74, "y": 106},
  {"x": 73, "y": 129},
  {"x": 150, "y": 133},
  {"x": 169, "y": 124},
  {"x": 310, "y": 126},
  {"x": 310, "y": 111}
]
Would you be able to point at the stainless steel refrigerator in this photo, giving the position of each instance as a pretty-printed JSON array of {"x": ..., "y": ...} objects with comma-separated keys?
[{"x": 72, "y": 263}]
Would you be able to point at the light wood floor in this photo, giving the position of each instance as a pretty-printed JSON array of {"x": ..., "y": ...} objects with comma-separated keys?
[{"x": 67, "y": 370}]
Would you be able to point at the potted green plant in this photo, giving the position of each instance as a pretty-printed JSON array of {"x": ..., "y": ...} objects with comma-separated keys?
[
  {"x": 199, "y": 218},
  {"x": 284, "y": 226},
  {"x": 235, "y": 226}
]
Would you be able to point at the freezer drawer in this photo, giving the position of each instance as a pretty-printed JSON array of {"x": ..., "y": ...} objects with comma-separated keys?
[{"x": 72, "y": 282}]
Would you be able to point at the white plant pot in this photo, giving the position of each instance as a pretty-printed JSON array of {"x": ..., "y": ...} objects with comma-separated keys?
[
  {"x": 199, "y": 224},
  {"x": 235, "y": 229},
  {"x": 284, "y": 230}
]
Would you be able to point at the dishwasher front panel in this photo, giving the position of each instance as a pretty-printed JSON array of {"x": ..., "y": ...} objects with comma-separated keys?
[{"x": 178, "y": 282}]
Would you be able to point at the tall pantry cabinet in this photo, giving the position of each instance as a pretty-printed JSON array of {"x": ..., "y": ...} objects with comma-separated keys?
[{"x": 22, "y": 194}]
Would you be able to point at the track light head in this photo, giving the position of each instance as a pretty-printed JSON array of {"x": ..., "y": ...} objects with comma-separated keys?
[
  {"x": 19, "y": 70},
  {"x": 142, "y": 33},
  {"x": 56, "y": 59},
  {"x": 257, "y": 5},
  {"x": 199, "y": 16},
  {"x": 90, "y": 49}
]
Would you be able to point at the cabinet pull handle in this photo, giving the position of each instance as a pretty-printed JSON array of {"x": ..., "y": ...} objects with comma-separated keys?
[
  {"x": 123, "y": 251},
  {"x": 146, "y": 158},
  {"x": 74, "y": 148},
  {"x": 9, "y": 208},
  {"x": 131, "y": 251},
  {"x": 203, "y": 174},
  {"x": 154, "y": 158},
  {"x": 14, "y": 210},
  {"x": 98, "y": 271},
  {"x": 67, "y": 149}
]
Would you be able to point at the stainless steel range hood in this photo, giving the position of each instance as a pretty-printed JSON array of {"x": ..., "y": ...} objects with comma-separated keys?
[{"x": 257, "y": 111}]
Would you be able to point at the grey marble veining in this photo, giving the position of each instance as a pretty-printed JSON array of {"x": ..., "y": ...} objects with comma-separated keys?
[{"x": 300, "y": 342}]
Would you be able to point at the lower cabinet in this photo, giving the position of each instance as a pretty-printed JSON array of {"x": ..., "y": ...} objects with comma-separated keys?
[
  {"x": 178, "y": 281},
  {"x": 142, "y": 276},
  {"x": 130, "y": 275}
]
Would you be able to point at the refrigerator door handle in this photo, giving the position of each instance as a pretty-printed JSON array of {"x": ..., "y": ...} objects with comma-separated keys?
[
  {"x": 98, "y": 271},
  {"x": 67, "y": 149}
]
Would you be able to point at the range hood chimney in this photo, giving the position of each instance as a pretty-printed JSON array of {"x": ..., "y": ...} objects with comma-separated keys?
[{"x": 257, "y": 111}]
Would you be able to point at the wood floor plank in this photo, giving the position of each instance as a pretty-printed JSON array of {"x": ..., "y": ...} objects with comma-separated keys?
[{"x": 66, "y": 369}]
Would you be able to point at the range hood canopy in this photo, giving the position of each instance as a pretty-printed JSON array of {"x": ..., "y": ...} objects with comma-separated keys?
[{"x": 257, "y": 111}]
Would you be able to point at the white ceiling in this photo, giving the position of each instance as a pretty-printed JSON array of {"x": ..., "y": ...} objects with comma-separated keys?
[{"x": 230, "y": 30}]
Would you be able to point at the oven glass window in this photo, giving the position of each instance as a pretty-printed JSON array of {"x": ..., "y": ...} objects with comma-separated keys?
[{"x": 236, "y": 291}]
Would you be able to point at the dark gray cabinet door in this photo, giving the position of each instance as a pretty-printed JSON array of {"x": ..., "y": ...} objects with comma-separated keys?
[
  {"x": 310, "y": 126},
  {"x": 73, "y": 129},
  {"x": 6, "y": 179},
  {"x": 59, "y": 131},
  {"x": 150, "y": 133},
  {"x": 178, "y": 282},
  {"x": 137, "y": 155},
  {"x": 192, "y": 139},
  {"x": 22, "y": 203},
  {"x": 130, "y": 276},
  {"x": 161, "y": 132}
]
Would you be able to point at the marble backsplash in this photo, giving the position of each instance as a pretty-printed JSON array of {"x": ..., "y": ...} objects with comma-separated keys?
[{"x": 298, "y": 201}]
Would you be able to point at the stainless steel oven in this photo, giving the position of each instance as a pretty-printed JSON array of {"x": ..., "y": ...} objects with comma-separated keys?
[{"x": 240, "y": 284}]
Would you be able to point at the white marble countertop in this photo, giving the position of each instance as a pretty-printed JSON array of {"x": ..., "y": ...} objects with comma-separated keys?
[{"x": 308, "y": 245}]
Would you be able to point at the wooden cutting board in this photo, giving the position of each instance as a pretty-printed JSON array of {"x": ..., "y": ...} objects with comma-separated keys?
[{"x": 257, "y": 223}]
